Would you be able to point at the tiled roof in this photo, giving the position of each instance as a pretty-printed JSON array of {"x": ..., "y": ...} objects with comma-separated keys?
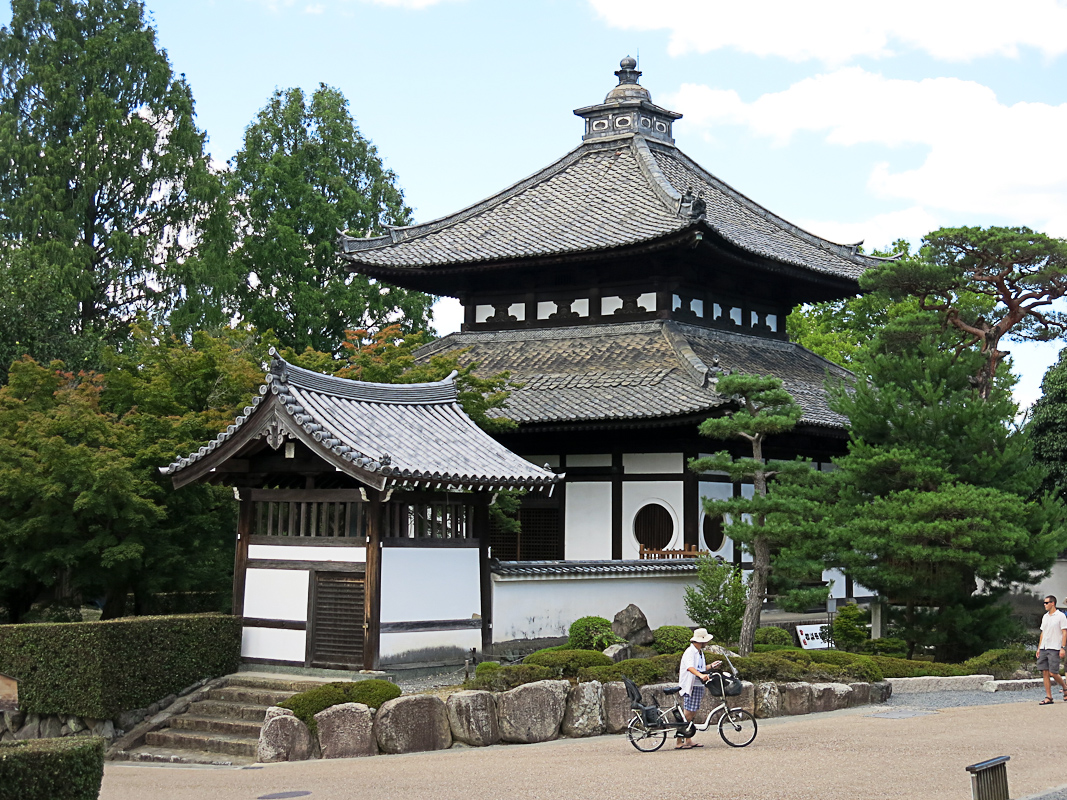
[
  {"x": 534, "y": 569},
  {"x": 604, "y": 194},
  {"x": 400, "y": 434},
  {"x": 636, "y": 370}
]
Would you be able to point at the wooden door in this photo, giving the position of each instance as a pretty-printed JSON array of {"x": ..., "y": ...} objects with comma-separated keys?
[{"x": 336, "y": 638}]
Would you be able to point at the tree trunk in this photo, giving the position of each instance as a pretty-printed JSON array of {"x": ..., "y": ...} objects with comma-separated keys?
[{"x": 757, "y": 589}]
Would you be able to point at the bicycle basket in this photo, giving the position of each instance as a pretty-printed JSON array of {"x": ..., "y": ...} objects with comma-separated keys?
[{"x": 723, "y": 685}]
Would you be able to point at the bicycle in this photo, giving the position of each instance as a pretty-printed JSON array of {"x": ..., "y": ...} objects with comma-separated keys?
[{"x": 648, "y": 729}]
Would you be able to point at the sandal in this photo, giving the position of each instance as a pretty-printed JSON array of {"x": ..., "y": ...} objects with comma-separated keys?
[
  {"x": 1046, "y": 702},
  {"x": 686, "y": 747},
  {"x": 696, "y": 744}
]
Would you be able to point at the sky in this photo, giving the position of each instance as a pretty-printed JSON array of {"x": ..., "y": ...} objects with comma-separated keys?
[{"x": 856, "y": 121}]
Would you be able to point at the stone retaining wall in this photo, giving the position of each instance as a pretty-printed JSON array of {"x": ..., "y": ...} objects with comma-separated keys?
[{"x": 534, "y": 712}]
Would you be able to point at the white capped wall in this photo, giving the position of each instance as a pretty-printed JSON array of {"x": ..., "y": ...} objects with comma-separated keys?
[
  {"x": 308, "y": 553},
  {"x": 651, "y": 463},
  {"x": 588, "y": 521},
  {"x": 277, "y": 594},
  {"x": 396, "y": 644},
  {"x": 432, "y": 583},
  {"x": 274, "y": 644},
  {"x": 525, "y": 608},
  {"x": 635, "y": 495}
]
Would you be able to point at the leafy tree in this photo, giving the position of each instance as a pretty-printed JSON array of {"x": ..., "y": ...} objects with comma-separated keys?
[
  {"x": 766, "y": 522},
  {"x": 104, "y": 175},
  {"x": 1020, "y": 273},
  {"x": 303, "y": 173},
  {"x": 1048, "y": 428},
  {"x": 717, "y": 602},
  {"x": 849, "y": 628}
]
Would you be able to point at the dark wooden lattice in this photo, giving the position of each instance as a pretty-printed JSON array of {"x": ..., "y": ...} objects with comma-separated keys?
[
  {"x": 653, "y": 526},
  {"x": 337, "y": 621},
  {"x": 537, "y": 541}
]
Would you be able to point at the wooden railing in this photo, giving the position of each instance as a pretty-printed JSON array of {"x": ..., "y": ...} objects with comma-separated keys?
[{"x": 687, "y": 551}]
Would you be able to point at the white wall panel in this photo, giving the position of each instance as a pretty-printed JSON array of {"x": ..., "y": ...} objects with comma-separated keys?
[
  {"x": 588, "y": 520},
  {"x": 273, "y": 643},
  {"x": 429, "y": 583},
  {"x": 277, "y": 594},
  {"x": 635, "y": 495},
  {"x": 397, "y": 644},
  {"x": 713, "y": 490},
  {"x": 1055, "y": 584},
  {"x": 309, "y": 553},
  {"x": 652, "y": 463},
  {"x": 546, "y": 607},
  {"x": 588, "y": 460}
]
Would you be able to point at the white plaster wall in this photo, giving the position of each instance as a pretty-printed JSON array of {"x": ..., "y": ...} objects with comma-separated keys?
[
  {"x": 713, "y": 490},
  {"x": 588, "y": 460},
  {"x": 588, "y": 521},
  {"x": 277, "y": 594},
  {"x": 1055, "y": 584},
  {"x": 636, "y": 494},
  {"x": 429, "y": 583},
  {"x": 652, "y": 463},
  {"x": 395, "y": 644},
  {"x": 274, "y": 644},
  {"x": 309, "y": 553},
  {"x": 525, "y": 609}
]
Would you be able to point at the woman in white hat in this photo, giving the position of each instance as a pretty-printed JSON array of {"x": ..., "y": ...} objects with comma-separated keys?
[{"x": 692, "y": 673}]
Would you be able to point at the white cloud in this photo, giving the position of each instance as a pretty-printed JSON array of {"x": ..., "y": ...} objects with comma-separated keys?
[
  {"x": 320, "y": 8},
  {"x": 984, "y": 158},
  {"x": 838, "y": 31},
  {"x": 878, "y": 232}
]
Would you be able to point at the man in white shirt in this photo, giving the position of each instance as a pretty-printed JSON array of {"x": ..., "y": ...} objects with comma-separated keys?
[
  {"x": 691, "y": 676},
  {"x": 1051, "y": 648}
]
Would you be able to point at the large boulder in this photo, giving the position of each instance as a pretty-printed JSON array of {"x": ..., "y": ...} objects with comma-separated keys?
[
  {"x": 412, "y": 724},
  {"x": 631, "y": 625},
  {"x": 881, "y": 691},
  {"x": 473, "y": 718},
  {"x": 50, "y": 726},
  {"x": 795, "y": 698},
  {"x": 31, "y": 728},
  {"x": 620, "y": 652},
  {"x": 346, "y": 731},
  {"x": 861, "y": 694},
  {"x": 768, "y": 700},
  {"x": 283, "y": 738},
  {"x": 830, "y": 696},
  {"x": 532, "y": 712},
  {"x": 617, "y": 711},
  {"x": 584, "y": 715}
]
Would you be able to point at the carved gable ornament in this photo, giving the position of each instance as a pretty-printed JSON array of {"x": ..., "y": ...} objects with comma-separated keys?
[{"x": 276, "y": 430}]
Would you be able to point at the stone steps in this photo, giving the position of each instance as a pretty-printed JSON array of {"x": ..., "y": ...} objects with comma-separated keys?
[
  {"x": 228, "y": 710},
  {"x": 239, "y": 727},
  {"x": 250, "y": 696},
  {"x": 227, "y": 743}
]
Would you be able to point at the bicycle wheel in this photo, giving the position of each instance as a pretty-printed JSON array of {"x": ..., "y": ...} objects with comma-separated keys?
[
  {"x": 647, "y": 740},
  {"x": 737, "y": 727}
]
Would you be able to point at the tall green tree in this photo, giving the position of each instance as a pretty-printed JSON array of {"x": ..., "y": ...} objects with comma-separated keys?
[
  {"x": 303, "y": 173},
  {"x": 105, "y": 174},
  {"x": 1047, "y": 428},
  {"x": 766, "y": 524}
]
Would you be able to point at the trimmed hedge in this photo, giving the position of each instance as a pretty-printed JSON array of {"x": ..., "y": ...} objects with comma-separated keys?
[
  {"x": 902, "y": 668},
  {"x": 568, "y": 662},
  {"x": 500, "y": 680},
  {"x": 591, "y": 633},
  {"x": 640, "y": 670},
  {"x": 773, "y": 635},
  {"x": 100, "y": 669},
  {"x": 1001, "y": 663},
  {"x": 52, "y": 769},
  {"x": 671, "y": 639},
  {"x": 372, "y": 692}
]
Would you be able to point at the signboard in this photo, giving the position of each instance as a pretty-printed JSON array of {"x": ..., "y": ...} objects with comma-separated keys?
[{"x": 811, "y": 637}]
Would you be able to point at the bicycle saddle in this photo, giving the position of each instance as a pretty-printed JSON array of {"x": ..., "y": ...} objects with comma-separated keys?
[{"x": 672, "y": 690}]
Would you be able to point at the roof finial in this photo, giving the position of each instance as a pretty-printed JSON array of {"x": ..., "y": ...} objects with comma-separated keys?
[{"x": 628, "y": 72}]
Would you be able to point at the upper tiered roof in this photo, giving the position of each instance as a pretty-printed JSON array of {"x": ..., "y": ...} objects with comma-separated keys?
[{"x": 625, "y": 188}]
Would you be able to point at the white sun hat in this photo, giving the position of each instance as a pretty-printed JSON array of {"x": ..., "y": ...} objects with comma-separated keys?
[{"x": 701, "y": 635}]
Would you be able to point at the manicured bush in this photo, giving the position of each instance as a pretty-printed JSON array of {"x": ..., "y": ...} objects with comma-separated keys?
[
  {"x": 849, "y": 628},
  {"x": 641, "y": 671},
  {"x": 305, "y": 705},
  {"x": 773, "y": 635},
  {"x": 1001, "y": 663},
  {"x": 591, "y": 633},
  {"x": 568, "y": 662},
  {"x": 849, "y": 665},
  {"x": 773, "y": 648},
  {"x": 772, "y": 667},
  {"x": 100, "y": 669},
  {"x": 500, "y": 680},
  {"x": 671, "y": 639},
  {"x": 52, "y": 769},
  {"x": 903, "y": 668},
  {"x": 485, "y": 667},
  {"x": 887, "y": 646}
]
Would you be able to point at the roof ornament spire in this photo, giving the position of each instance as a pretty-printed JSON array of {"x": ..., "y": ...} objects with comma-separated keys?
[
  {"x": 628, "y": 109},
  {"x": 628, "y": 72}
]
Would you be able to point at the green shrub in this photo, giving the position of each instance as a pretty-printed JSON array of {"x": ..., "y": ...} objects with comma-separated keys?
[
  {"x": 888, "y": 646},
  {"x": 671, "y": 639},
  {"x": 773, "y": 648},
  {"x": 849, "y": 628},
  {"x": 52, "y": 769},
  {"x": 641, "y": 671},
  {"x": 773, "y": 635},
  {"x": 500, "y": 680},
  {"x": 305, "y": 705},
  {"x": 852, "y": 666},
  {"x": 772, "y": 667},
  {"x": 486, "y": 666},
  {"x": 903, "y": 668},
  {"x": 717, "y": 601},
  {"x": 100, "y": 669},
  {"x": 568, "y": 662},
  {"x": 998, "y": 663},
  {"x": 591, "y": 633}
]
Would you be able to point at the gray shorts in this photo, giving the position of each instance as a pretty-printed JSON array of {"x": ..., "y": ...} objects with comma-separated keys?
[{"x": 1048, "y": 660}]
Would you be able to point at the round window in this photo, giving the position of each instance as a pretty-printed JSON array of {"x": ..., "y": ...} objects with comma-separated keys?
[
  {"x": 654, "y": 526},
  {"x": 714, "y": 532}
]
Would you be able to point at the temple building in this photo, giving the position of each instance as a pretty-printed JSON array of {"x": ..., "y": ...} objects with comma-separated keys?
[{"x": 615, "y": 285}]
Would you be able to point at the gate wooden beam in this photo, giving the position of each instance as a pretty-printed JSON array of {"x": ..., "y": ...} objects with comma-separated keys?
[
  {"x": 245, "y": 520},
  {"x": 372, "y": 607}
]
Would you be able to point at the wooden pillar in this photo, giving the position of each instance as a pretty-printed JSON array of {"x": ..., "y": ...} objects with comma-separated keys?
[
  {"x": 245, "y": 522},
  {"x": 616, "y": 506},
  {"x": 481, "y": 531},
  {"x": 372, "y": 587},
  {"x": 690, "y": 503}
]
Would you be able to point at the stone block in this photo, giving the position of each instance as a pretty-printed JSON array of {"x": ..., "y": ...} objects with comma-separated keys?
[
  {"x": 13, "y": 720},
  {"x": 619, "y": 652},
  {"x": 346, "y": 731},
  {"x": 50, "y": 726},
  {"x": 31, "y": 728},
  {"x": 617, "y": 712},
  {"x": 532, "y": 712},
  {"x": 75, "y": 724},
  {"x": 768, "y": 700},
  {"x": 104, "y": 728},
  {"x": 277, "y": 711},
  {"x": 956, "y": 683},
  {"x": 584, "y": 715},
  {"x": 3, "y": 725},
  {"x": 283, "y": 738},
  {"x": 472, "y": 716},
  {"x": 128, "y": 720},
  {"x": 829, "y": 696},
  {"x": 795, "y": 698},
  {"x": 881, "y": 691},
  {"x": 412, "y": 724},
  {"x": 631, "y": 625},
  {"x": 861, "y": 694}
]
